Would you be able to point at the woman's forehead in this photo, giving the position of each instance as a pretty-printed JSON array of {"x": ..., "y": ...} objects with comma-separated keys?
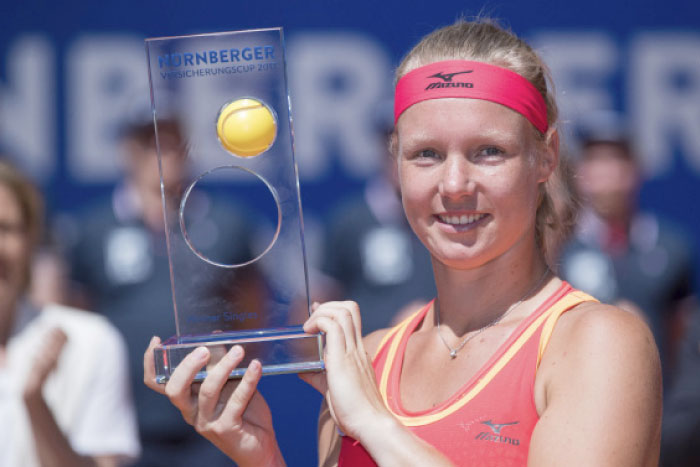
[{"x": 460, "y": 118}]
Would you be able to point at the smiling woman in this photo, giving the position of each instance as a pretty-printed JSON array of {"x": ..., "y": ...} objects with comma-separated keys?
[
  {"x": 460, "y": 172},
  {"x": 483, "y": 188}
]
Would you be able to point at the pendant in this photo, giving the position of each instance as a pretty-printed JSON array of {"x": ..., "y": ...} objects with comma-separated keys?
[{"x": 453, "y": 353}]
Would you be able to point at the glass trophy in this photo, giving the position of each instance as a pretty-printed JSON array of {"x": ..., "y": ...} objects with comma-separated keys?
[{"x": 231, "y": 204}]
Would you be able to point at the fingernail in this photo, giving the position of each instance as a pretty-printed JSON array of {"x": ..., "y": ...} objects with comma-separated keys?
[
  {"x": 200, "y": 352},
  {"x": 153, "y": 340},
  {"x": 236, "y": 351}
]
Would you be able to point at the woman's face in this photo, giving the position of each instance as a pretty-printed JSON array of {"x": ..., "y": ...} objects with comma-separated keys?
[
  {"x": 14, "y": 248},
  {"x": 469, "y": 178}
]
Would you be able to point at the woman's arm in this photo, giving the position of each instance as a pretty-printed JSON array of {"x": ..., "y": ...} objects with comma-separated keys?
[
  {"x": 353, "y": 399},
  {"x": 231, "y": 414},
  {"x": 598, "y": 392}
]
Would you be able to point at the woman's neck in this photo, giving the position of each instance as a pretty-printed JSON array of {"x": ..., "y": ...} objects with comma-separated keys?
[{"x": 471, "y": 299}]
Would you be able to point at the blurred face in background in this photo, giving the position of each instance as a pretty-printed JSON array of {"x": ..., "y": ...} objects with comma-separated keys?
[
  {"x": 608, "y": 179},
  {"x": 142, "y": 159},
  {"x": 15, "y": 246},
  {"x": 142, "y": 168}
]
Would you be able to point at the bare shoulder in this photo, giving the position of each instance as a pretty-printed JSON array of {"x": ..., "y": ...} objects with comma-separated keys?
[
  {"x": 596, "y": 344},
  {"x": 593, "y": 328},
  {"x": 373, "y": 340},
  {"x": 601, "y": 363}
]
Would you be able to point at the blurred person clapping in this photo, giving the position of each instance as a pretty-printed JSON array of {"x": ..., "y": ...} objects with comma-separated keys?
[{"x": 64, "y": 397}]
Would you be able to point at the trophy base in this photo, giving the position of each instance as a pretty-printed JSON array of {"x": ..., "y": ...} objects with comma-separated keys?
[{"x": 284, "y": 350}]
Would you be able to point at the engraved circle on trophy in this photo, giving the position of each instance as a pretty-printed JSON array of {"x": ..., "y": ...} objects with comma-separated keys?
[
  {"x": 246, "y": 127},
  {"x": 231, "y": 171}
]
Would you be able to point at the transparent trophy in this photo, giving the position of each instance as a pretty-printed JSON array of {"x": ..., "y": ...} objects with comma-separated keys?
[{"x": 231, "y": 205}]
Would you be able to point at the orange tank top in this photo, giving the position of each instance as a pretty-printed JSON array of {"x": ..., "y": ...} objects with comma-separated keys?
[{"x": 490, "y": 420}]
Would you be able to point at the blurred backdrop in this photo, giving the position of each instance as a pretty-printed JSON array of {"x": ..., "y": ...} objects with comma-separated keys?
[{"x": 67, "y": 70}]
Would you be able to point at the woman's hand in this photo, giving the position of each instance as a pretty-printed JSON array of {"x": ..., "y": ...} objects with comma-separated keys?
[
  {"x": 348, "y": 383},
  {"x": 231, "y": 414}
]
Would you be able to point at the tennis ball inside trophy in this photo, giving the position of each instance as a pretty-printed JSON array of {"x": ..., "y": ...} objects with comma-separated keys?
[{"x": 246, "y": 127}]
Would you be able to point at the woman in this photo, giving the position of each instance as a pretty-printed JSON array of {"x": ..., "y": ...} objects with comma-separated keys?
[{"x": 508, "y": 365}]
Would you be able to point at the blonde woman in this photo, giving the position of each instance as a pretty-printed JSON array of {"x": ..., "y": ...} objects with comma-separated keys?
[{"x": 508, "y": 365}]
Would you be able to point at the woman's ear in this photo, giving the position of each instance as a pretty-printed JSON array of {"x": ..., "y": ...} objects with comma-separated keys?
[
  {"x": 549, "y": 158},
  {"x": 393, "y": 144}
]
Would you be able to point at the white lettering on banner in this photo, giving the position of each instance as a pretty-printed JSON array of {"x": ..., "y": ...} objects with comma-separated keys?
[
  {"x": 581, "y": 66},
  {"x": 664, "y": 98},
  {"x": 28, "y": 105},
  {"x": 106, "y": 74},
  {"x": 338, "y": 83}
]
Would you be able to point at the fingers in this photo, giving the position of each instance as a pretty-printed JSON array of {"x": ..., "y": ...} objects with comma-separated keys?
[
  {"x": 346, "y": 314},
  {"x": 149, "y": 367},
  {"x": 240, "y": 398},
  {"x": 217, "y": 376},
  {"x": 179, "y": 388},
  {"x": 336, "y": 344}
]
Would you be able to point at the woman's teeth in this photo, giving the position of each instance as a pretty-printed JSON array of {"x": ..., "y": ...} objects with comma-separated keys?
[{"x": 464, "y": 219}]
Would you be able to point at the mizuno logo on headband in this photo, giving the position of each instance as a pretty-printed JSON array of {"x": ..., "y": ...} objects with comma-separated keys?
[
  {"x": 447, "y": 80},
  {"x": 486, "y": 82},
  {"x": 447, "y": 77}
]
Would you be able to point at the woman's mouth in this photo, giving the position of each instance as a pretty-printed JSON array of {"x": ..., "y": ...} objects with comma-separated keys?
[
  {"x": 461, "y": 220},
  {"x": 458, "y": 223}
]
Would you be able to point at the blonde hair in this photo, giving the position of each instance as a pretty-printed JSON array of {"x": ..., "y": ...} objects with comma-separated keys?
[{"x": 483, "y": 40}]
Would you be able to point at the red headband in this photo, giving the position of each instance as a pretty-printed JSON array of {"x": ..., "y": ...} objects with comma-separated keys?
[{"x": 471, "y": 80}]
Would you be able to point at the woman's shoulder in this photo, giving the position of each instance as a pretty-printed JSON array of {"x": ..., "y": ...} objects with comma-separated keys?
[
  {"x": 373, "y": 341},
  {"x": 599, "y": 339},
  {"x": 603, "y": 324},
  {"x": 601, "y": 364}
]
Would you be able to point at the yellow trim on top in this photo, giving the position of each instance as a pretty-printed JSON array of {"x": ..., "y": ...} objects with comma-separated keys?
[
  {"x": 548, "y": 328},
  {"x": 394, "y": 330},
  {"x": 564, "y": 303},
  {"x": 390, "y": 353}
]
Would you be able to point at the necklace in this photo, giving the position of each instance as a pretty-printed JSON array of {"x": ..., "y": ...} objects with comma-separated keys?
[{"x": 453, "y": 351}]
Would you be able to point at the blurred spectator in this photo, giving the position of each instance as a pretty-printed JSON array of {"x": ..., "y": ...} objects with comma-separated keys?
[
  {"x": 371, "y": 250},
  {"x": 64, "y": 393},
  {"x": 620, "y": 254},
  {"x": 680, "y": 437},
  {"x": 119, "y": 262}
]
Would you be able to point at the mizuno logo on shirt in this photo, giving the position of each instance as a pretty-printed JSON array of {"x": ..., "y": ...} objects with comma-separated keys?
[{"x": 495, "y": 434}]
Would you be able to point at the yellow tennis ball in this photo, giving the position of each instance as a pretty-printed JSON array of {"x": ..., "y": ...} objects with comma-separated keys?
[{"x": 246, "y": 127}]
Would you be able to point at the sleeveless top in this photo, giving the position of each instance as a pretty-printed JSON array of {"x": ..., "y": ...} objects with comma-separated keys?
[{"x": 490, "y": 420}]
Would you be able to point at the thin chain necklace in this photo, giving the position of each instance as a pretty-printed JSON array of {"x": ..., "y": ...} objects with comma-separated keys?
[{"x": 453, "y": 351}]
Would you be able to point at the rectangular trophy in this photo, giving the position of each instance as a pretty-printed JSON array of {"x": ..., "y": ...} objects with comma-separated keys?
[{"x": 230, "y": 191}]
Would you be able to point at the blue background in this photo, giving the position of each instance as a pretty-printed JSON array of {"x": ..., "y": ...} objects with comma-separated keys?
[{"x": 392, "y": 27}]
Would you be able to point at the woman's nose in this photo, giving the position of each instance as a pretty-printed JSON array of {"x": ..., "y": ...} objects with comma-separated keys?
[{"x": 457, "y": 180}]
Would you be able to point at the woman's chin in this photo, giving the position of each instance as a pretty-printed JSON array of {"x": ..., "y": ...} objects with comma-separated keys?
[{"x": 460, "y": 258}]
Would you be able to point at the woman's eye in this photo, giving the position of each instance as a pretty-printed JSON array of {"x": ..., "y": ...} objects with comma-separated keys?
[
  {"x": 491, "y": 151},
  {"x": 428, "y": 154}
]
